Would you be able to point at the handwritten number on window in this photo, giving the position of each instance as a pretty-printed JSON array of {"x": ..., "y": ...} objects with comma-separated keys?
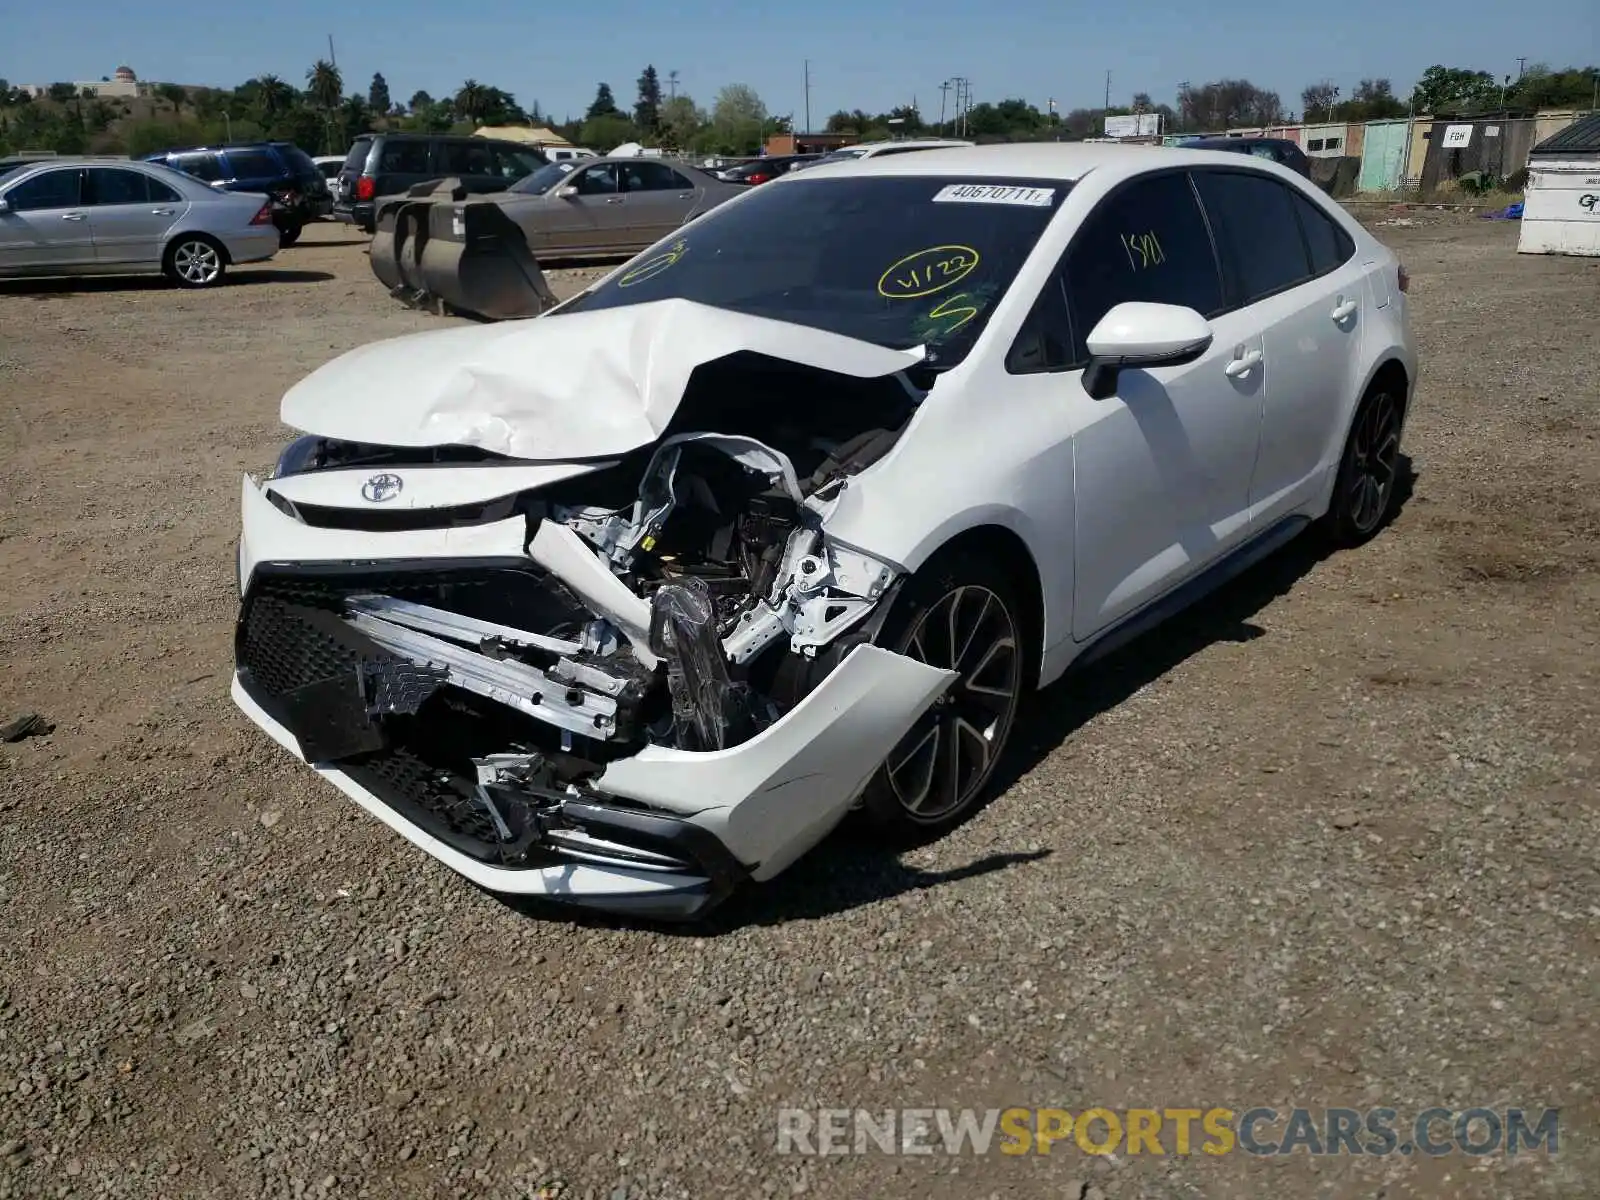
[{"x": 1143, "y": 250}]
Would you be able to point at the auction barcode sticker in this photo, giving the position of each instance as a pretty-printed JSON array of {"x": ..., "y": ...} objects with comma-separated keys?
[{"x": 994, "y": 193}]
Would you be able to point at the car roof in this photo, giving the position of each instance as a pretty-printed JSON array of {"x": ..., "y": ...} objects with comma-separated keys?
[{"x": 1066, "y": 161}]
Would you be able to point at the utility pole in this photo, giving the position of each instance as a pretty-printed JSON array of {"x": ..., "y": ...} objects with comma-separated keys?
[
  {"x": 672, "y": 85},
  {"x": 808, "y": 95},
  {"x": 1108, "y": 91},
  {"x": 944, "y": 89},
  {"x": 1183, "y": 103},
  {"x": 333, "y": 60},
  {"x": 1521, "y": 63}
]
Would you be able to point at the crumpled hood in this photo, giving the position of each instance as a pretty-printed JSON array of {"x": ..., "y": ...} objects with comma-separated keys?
[{"x": 560, "y": 387}]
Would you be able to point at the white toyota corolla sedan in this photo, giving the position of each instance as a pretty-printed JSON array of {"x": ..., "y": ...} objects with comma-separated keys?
[{"x": 629, "y": 603}]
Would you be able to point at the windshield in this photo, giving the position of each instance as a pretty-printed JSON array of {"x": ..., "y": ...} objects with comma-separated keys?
[
  {"x": 545, "y": 178},
  {"x": 901, "y": 261}
]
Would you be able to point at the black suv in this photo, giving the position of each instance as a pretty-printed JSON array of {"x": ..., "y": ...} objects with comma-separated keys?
[
  {"x": 280, "y": 169},
  {"x": 385, "y": 164},
  {"x": 1279, "y": 150}
]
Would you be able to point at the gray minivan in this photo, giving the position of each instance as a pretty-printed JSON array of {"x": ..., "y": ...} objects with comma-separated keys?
[{"x": 385, "y": 164}]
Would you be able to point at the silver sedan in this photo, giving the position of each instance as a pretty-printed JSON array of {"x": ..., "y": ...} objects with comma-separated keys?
[
  {"x": 594, "y": 207},
  {"x": 91, "y": 217}
]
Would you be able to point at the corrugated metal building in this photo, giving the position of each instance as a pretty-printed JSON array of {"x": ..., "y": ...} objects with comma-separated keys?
[
  {"x": 1495, "y": 145},
  {"x": 1383, "y": 155},
  {"x": 1561, "y": 208}
]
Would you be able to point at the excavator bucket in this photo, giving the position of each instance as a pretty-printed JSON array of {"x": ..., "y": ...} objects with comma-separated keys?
[{"x": 440, "y": 248}]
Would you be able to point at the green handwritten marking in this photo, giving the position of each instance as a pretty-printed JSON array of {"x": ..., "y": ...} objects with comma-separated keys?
[
  {"x": 1143, "y": 250},
  {"x": 924, "y": 272},
  {"x": 951, "y": 307},
  {"x": 653, "y": 266}
]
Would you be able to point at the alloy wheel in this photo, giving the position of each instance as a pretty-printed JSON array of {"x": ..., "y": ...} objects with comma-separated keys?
[
  {"x": 1375, "y": 451},
  {"x": 197, "y": 262},
  {"x": 944, "y": 761}
]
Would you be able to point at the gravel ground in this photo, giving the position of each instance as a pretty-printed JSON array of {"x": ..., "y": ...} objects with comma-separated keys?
[{"x": 1329, "y": 840}]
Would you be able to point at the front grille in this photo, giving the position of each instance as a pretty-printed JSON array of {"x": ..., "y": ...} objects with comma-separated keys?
[
  {"x": 299, "y": 659},
  {"x": 378, "y": 520}
]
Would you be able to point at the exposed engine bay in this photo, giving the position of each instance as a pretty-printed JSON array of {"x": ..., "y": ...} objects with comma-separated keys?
[{"x": 684, "y": 595}]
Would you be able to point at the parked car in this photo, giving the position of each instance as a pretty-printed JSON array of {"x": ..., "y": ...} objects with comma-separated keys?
[
  {"x": 759, "y": 170},
  {"x": 608, "y": 206},
  {"x": 385, "y": 164},
  {"x": 1278, "y": 150},
  {"x": 566, "y": 153},
  {"x": 69, "y": 216},
  {"x": 867, "y": 150},
  {"x": 626, "y": 604},
  {"x": 279, "y": 169},
  {"x": 330, "y": 165}
]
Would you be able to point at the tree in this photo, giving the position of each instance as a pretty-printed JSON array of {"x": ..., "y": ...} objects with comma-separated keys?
[
  {"x": 605, "y": 104},
  {"x": 472, "y": 101},
  {"x": 1228, "y": 104},
  {"x": 647, "y": 109},
  {"x": 607, "y": 131},
  {"x": 1540, "y": 87},
  {"x": 1454, "y": 90},
  {"x": 1319, "y": 98},
  {"x": 378, "y": 94},
  {"x": 61, "y": 92},
  {"x": 737, "y": 120},
  {"x": 272, "y": 97},
  {"x": 324, "y": 85},
  {"x": 681, "y": 122},
  {"x": 420, "y": 99}
]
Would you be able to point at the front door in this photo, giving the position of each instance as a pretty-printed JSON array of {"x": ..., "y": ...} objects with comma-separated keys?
[
  {"x": 1293, "y": 270},
  {"x": 130, "y": 214},
  {"x": 1163, "y": 467},
  {"x": 591, "y": 218},
  {"x": 45, "y": 226}
]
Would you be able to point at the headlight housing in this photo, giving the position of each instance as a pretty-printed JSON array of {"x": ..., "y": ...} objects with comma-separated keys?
[{"x": 305, "y": 453}]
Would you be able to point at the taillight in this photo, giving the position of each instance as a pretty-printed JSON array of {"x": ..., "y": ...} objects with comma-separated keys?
[
  {"x": 1405, "y": 278},
  {"x": 758, "y": 178},
  {"x": 365, "y": 188},
  {"x": 263, "y": 215}
]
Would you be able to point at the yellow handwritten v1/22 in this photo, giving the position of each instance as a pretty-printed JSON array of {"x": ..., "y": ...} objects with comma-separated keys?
[
  {"x": 1143, "y": 250},
  {"x": 924, "y": 272}
]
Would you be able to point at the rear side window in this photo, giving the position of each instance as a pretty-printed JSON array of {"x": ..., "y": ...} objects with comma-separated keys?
[
  {"x": 356, "y": 160},
  {"x": 654, "y": 177},
  {"x": 50, "y": 189},
  {"x": 109, "y": 185},
  {"x": 515, "y": 164},
  {"x": 299, "y": 161},
  {"x": 1330, "y": 246},
  {"x": 253, "y": 164},
  {"x": 1257, "y": 233},
  {"x": 1148, "y": 242},
  {"x": 404, "y": 158},
  {"x": 465, "y": 158}
]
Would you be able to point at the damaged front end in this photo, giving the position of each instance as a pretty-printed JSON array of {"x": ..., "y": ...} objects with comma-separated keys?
[{"x": 630, "y": 683}]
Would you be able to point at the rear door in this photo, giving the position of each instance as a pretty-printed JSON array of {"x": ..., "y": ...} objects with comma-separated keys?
[
  {"x": 402, "y": 163},
  {"x": 45, "y": 225},
  {"x": 253, "y": 171},
  {"x": 130, "y": 214},
  {"x": 659, "y": 199},
  {"x": 1310, "y": 314}
]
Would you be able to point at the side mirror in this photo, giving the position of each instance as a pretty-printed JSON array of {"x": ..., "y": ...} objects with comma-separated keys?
[
  {"x": 567, "y": 191},
  {"x": 5, "y": 205},
  {"x": 1139, "y": 334}
]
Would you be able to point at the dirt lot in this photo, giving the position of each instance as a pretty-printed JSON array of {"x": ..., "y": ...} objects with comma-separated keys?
[{"x": 1330, "y": 841}]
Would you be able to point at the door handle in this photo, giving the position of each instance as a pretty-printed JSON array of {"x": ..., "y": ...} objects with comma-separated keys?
[
  {"x": 1344, "y": 309},
  {"x": 613, "y": 199},
  {"x": 72, "y": 216},
  {"x": 161, "y": 212},
  {"x": 1242, "y": 365}
]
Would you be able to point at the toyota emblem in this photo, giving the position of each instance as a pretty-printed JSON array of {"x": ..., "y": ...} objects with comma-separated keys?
[{"x": 382, "y": 487}]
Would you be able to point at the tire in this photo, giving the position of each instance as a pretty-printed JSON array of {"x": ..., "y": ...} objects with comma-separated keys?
[
  {"x": 1364, "y": 489},
  {"x": 920, "y": 791},
  {"x": 288, "y": 235},
  {"x": 195, "y": 260}
]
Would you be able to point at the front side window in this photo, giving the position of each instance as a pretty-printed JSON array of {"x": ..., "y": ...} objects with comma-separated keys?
[
  {"x": 901, "y": 261},
  {"x": 108, "y": 185},
  {"x": 48, "y": 189},
  {"x": 597, "y": 181},
  {"x": 1257, "y": 233},
  {"x": 1146, "y": 242},
  {"x": 545, "y": 178}
]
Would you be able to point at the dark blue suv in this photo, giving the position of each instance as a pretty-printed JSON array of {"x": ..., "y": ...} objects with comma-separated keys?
[{"x": 280, "y": 169}]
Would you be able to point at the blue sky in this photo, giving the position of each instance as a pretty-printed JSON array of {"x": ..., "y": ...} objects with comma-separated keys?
[{"x": 868, "y": 56}]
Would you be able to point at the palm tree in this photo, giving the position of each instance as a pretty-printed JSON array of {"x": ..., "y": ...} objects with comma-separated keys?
[
  {"x": 472, "y": 100},
  {"x": 273, "y": 97},
  {"x": 325, "y": 85}
]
